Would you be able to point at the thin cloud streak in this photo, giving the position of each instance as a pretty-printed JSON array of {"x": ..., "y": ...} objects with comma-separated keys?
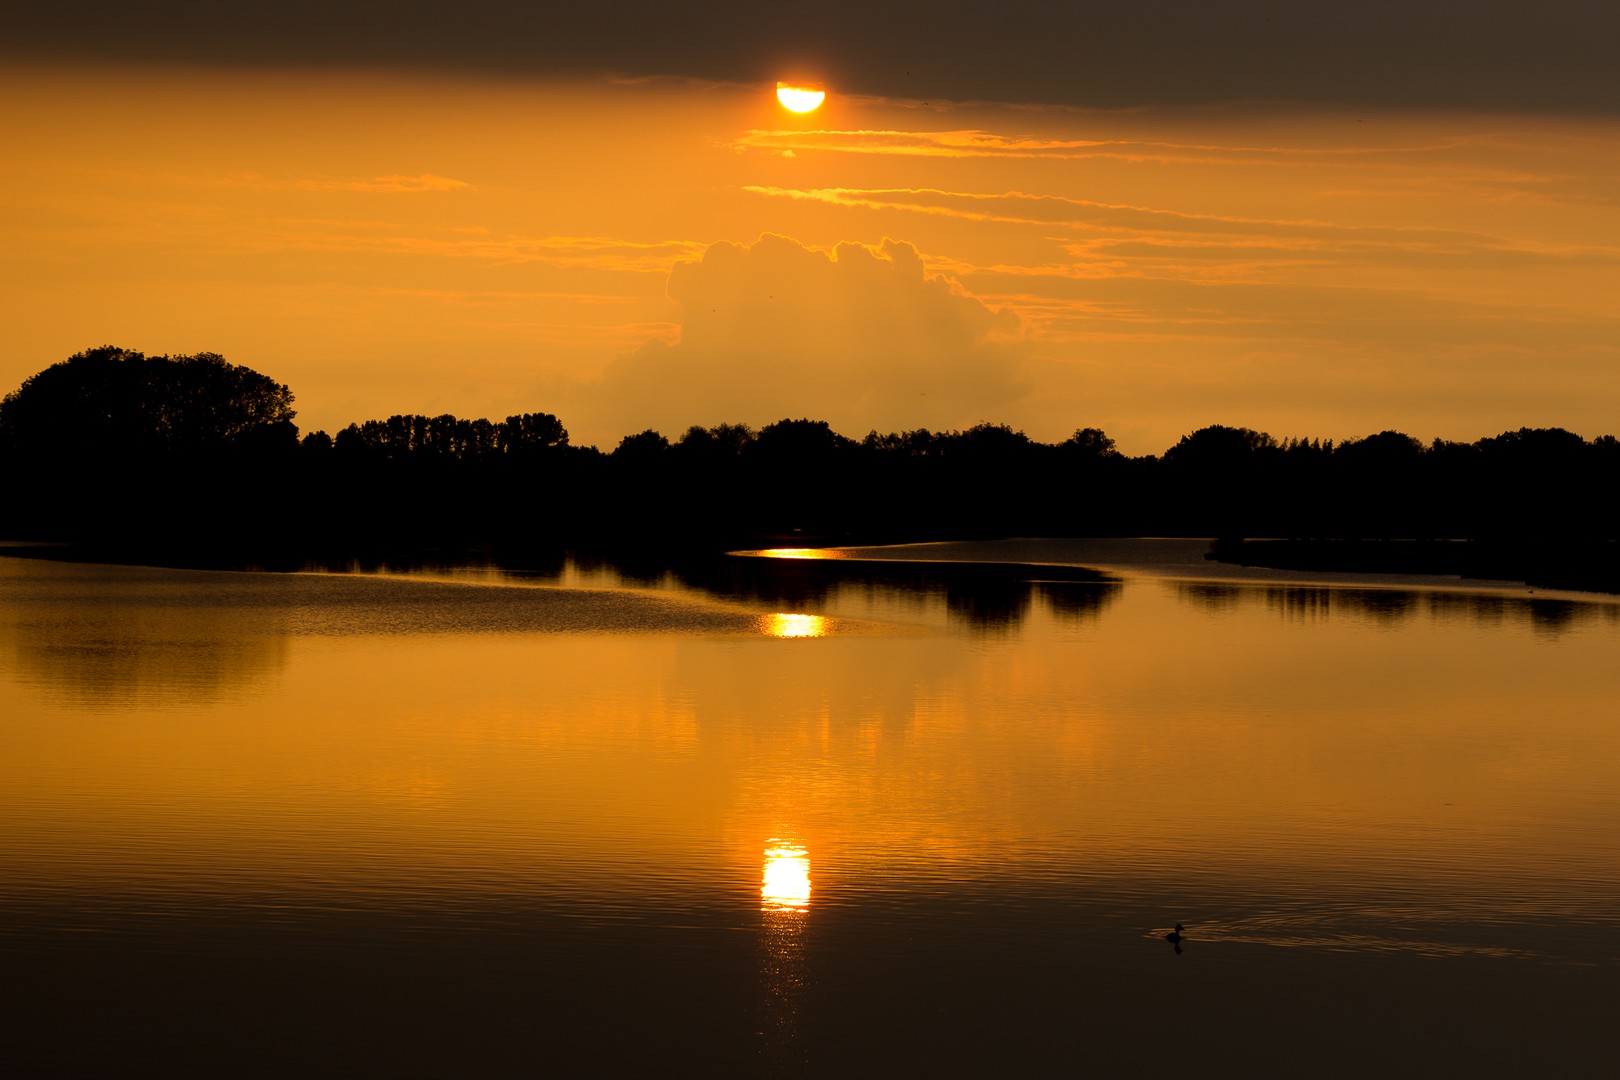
[
  {"x": 1578, "y": 165},
  {"x": 1147, "y": 230},
  {"x": 970, "y": 143},
  {"x": 389, "y": 185},
  {"x": 596, "y": 253}
]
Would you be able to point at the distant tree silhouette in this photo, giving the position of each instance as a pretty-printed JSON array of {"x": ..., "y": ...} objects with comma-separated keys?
[
  {"x": 637, "y": 487},
  {"x": 801, "y": 477},
  {"x": 1226, "y": 479},
  {"x": 111, "y": 440},
  {"x": 449, "y": 438},
  {"x": 721, "y": 443},
  {"x": 800, "y": 443},
  {"x": 531, "y": 433},
  {"x": 1381, "y": 487},
  {"x": 1385, "y": 450},
  {"x": 170, "y": 450},
  {"x": 117, "y": 401},
  {"x": 1218, "y": 448},
  {"x": 646, "y": 445},
  {"x": 989, "y": 442},
  {"x": 316, "y": 444},
  {"x": 1089, "y": 444},
  {"x": 919, "y": 443}
]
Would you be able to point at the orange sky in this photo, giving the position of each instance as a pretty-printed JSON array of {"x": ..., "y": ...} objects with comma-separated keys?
[{"x": 659, "y": 252}]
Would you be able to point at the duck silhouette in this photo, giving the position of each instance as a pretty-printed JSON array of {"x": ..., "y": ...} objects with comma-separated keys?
[{"x": 1174, "y": 938}]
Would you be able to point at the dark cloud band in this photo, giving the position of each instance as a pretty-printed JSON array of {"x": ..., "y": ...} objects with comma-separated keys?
[{"x": 1537, "y": 55}]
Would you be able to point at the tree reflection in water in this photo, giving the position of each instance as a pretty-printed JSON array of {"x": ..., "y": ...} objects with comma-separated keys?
[
  {"x": 1393, "y": 606},
  {"x": 979, "y": 595}
]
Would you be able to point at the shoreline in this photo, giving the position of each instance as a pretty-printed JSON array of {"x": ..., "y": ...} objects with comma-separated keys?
[
  {"x": 1186, "y": 559},
  {"x": 1363, "y": 564}
]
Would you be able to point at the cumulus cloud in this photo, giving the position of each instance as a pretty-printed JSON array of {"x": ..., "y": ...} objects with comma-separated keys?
[{"x": 860, "y": 336}]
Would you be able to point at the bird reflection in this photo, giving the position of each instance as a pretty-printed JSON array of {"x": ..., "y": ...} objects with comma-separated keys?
[
  {"x": 785, "y": 908},
  {"x": 1174, "y": 937}
]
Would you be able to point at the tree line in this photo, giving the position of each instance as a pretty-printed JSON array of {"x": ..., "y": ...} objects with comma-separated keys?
[{"x": 117, "y": 448}]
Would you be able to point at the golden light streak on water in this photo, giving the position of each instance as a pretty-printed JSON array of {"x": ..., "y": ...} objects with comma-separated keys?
[
  {"x": 784, "y": 973},
  {"x": 796, "y": 553}
]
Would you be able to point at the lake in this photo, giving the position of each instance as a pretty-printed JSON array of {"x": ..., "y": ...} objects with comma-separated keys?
[{"x": 927, "y": 815}]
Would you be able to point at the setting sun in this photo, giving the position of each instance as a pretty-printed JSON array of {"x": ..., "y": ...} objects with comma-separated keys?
[{"x": 799, "y": 99}]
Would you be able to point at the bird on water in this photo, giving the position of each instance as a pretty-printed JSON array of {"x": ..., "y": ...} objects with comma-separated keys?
[{"x": 1174, "y": 936}]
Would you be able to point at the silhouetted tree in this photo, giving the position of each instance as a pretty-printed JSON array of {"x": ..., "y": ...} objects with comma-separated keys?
[
  {"x": 1091, "y": 444},
  {"x": 1217, "y": 478},
  {"x": 528, "y": 433},
  {"x": 804, "y": 443},
  {"x": 643, "y": 446},
  {"x": 989, "y": 445},
  {"x": 1218, "y": 448},
  {"x": 117, "y": 401},
  {"x": 799, "y": 475},
  {"x": 111, "y": 441},
  {"x": 723, "y": 442},
  {"x": 1380, "y": 486}
]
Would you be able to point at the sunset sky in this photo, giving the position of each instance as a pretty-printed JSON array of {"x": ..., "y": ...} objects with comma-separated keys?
[{"x": 1296, "y": 217}]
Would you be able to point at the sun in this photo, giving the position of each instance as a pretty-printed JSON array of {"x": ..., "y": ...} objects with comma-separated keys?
[{"x": 799, "y": 99}]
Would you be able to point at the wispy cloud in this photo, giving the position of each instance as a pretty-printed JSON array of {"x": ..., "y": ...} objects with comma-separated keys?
[
  {"x": 970, "y": 143},
  {"x": 1116, "y": 230},
  {"x": 482, "y": 298},
  {"x": 581, "y": 252},
  {"x": 1574, "y": 165},
  {"x": 391, "y": 185},
  {"x": 1061, "y": 305}
]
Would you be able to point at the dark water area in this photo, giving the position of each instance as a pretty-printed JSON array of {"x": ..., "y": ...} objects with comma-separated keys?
[
  {"x": 1588, "y": 563},
  {"x": 1056, "y": 984},
  {"x": 837, "y": 816}
]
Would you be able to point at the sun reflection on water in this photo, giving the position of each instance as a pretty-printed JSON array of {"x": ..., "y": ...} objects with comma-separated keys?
[
  {"x": 784, "y": 920},
  {"x": 796, "y": 553},
  {"x": 785, "y": 625},
  {"x": 787, "y": 877}
]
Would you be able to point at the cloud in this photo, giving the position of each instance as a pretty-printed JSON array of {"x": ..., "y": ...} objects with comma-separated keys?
[
  {"x": 392, "y": 184},
  {"x": 601, "y": 253},
  {"x": 985, "y": 144},
  {"x": 1143, "y": 233},
  {"x": 1547, "y": 55},
  {"x": 389, "y": 184},
  {"x": 859, "y": 336}
]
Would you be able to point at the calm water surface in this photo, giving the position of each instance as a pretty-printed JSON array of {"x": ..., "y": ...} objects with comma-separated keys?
[{"x": 789, "y": 819}]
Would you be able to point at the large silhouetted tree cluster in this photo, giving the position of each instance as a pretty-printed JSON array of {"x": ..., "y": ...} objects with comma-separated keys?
[
  {"x": 115, "y": 446},
  {"x": 443, "y": 481},
  {"x": 111, "y": 401},
  {"x": 113, "y": 440}
]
